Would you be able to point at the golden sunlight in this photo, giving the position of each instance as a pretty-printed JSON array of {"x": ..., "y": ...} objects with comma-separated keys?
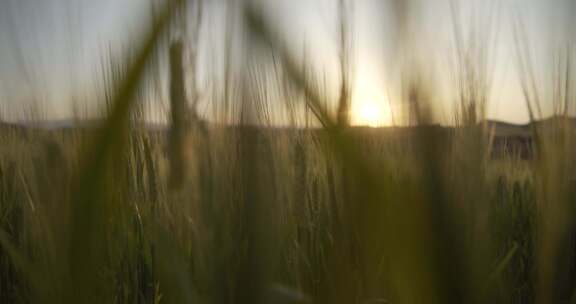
[
  {"x": 370, "y": 106},
  {"x": 368, "y": 113}
]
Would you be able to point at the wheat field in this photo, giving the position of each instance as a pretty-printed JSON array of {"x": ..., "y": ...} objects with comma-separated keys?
[{"x": 238, "y": 210}]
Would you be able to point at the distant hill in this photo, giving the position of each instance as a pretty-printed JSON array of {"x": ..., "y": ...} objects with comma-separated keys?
[
  {"x": 501, "y": 128},
  {"x": 516, "y": 139},
  {"x": 509, "y": 129},
  {"x": 507, "y": 138}
]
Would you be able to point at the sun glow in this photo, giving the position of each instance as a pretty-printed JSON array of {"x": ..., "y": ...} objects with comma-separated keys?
[
  {"x": 368, "y": 114},
  {"x": 370, "y": 99}
]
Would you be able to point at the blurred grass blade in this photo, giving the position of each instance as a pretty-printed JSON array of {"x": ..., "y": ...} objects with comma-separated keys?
[
  {"x": 258, "y": 28},
  {"x": 88, "y": 199},
  {"x": 497, "y": 272}
]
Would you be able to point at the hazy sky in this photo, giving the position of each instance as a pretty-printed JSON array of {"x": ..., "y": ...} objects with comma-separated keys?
[{"x": 51, "y": 50}]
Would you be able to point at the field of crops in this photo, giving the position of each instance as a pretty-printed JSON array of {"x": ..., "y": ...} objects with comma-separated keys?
[{"x": 240, "y": 210}]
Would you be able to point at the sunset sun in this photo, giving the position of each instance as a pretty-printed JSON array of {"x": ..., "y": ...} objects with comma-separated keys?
[
  {"x": 368, "y": 114},
  {"x": 370, "y": 101}
]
